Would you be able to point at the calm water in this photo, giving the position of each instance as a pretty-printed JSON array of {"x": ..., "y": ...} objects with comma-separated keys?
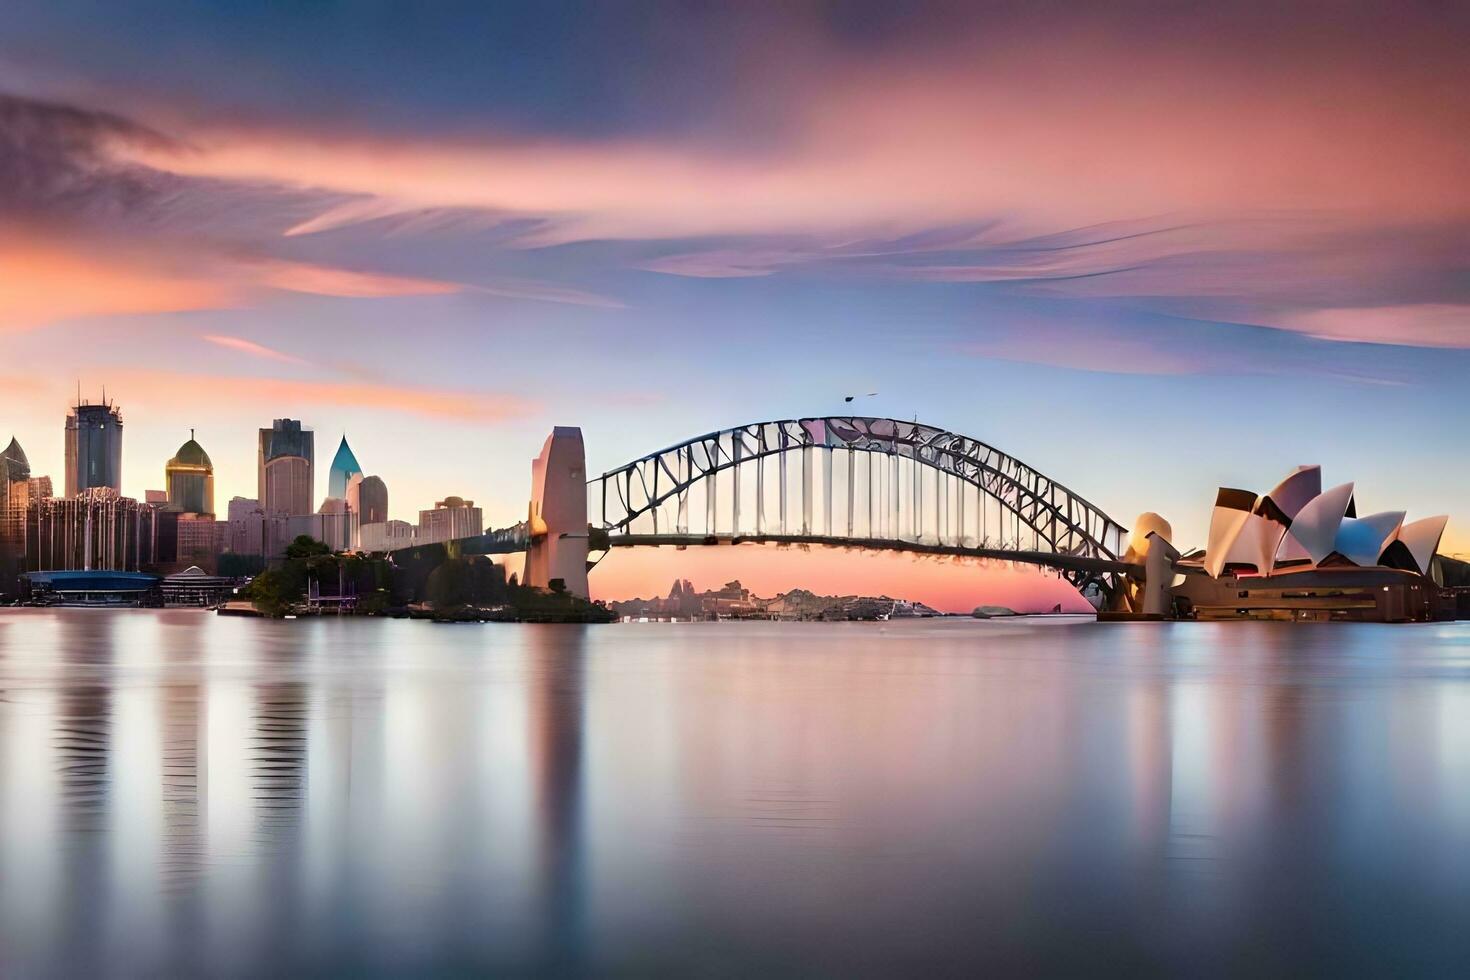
[{"x": 183, "y": 793}]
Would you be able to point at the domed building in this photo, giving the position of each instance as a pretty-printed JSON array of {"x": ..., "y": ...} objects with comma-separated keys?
[{"x": 189, "y": 479}]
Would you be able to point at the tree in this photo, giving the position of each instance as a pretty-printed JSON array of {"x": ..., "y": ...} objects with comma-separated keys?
[
  {"x": 305, "y": 546},
  {"x": 275, "y": 590}
]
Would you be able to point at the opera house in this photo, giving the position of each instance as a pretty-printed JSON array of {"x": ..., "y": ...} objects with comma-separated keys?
[{"x": 1303, "y": 553}]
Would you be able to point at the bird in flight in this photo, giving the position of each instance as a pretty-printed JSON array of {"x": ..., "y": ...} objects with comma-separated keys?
[{"x": 851, "y": 397}]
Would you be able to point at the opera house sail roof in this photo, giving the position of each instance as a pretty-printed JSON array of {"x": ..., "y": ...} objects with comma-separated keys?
[{"x": 1298, "y": 525}]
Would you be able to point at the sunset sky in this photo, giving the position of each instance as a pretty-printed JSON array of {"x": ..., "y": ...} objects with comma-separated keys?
[{"x": 1147, "y": 251}]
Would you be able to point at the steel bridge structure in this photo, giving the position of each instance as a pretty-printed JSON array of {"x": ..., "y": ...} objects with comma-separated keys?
[
  {"x": 848, "y": 481},
  {"x": 859, "y": 482}
]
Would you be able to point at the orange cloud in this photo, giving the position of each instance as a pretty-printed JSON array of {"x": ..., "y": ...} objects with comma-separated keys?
[
  {"x": 42, "y": 282},
  {"x": 327, "y": 281},
  {"x": 45, "y": 279},
  {"x": 278, "y": 395}
]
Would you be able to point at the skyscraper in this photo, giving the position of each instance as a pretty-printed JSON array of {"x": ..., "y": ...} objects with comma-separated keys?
[
  {"x": 93, "y": 447},
  {"x": 285, "y": 476},
  {"x": 189, "y": 477},
  {"x": 344, "y": 468},
  {"x": 369, "y": 498}
]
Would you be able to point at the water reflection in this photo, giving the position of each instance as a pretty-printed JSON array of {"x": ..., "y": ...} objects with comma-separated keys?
[{"x": 183, "y": 794}]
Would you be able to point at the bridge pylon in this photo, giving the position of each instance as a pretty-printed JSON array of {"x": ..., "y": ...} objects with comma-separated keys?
[{"x": 558, "y": 515}]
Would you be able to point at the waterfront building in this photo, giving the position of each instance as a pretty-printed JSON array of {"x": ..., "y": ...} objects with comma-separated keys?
[
  {"x": 96, "y": 530},
  {"x": 1302, "y": 553},
  {"x": 93, "y": 447},
  {"x": 94, "y": 587},
  {"x": 344, "y": 467},
  {"x": 189, "y": 477},
  {"x": 452, "y": 517},
  {"x": 285, "y": 470},
  {"x": 196, "y": 587},
  {"x": 385, "y": 535}
]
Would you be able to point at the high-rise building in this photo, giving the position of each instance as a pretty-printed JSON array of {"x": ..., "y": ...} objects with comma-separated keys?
[
  {"x": 93, "y": 447},
  {"x": 285, "y": 475},
  {"x": 15, "y": 479},
  {"x": 344, "y": 468},
  {"x": 189, "y": 477},
  {"x": 452, "y": 517},
  {"x": 368, "y": 497}
]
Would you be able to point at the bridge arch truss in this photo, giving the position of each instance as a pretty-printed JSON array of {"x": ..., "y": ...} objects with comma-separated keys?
[{"x": 866, "y": 480}]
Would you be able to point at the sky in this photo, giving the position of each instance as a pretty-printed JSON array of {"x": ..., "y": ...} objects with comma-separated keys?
[{"x": 1149, "y": 249}]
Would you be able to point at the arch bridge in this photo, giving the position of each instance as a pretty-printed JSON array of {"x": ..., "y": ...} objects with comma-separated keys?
[
  {"x": 843, "y": 481},
  {"x": 859, "y": 482}
]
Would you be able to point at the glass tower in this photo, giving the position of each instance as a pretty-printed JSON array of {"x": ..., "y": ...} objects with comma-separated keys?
[
  {"x": 344, "y": 468},
  {"x": 93, "y": 447}
]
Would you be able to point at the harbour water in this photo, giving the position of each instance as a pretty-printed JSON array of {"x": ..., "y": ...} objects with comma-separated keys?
[{"x": 186, "y": 794}]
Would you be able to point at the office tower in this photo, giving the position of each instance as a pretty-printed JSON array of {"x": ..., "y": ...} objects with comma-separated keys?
[
  {"x": 285, "y": 475},
  {"x": 344, "y": 468},
  {"x": 189, "y": 477},
  {"x": 93, "y": 447},
  {"x": 368, "y": 498},
  {"x": 452, "y": 517}
]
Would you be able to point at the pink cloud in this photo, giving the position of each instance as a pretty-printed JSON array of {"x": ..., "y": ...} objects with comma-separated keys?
[
  {"x": 1419, "y": 325},
  {"x": 1080, "y": 129},
  {"x": 252, "y": 348}
]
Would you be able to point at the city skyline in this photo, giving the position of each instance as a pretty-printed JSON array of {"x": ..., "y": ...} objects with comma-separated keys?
[{"x": 1232, "y": 263}]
